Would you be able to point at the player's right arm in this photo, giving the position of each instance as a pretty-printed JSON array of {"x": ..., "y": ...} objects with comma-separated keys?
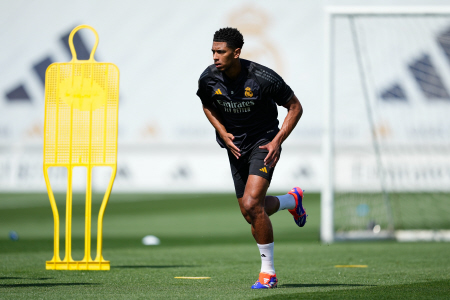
[
  {"x": 213, "y": 115},
  {"x": 214, "y": 118}
]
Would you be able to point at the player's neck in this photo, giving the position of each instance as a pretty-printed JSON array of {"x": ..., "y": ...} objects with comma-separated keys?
[{"x": 234, "y": 70}]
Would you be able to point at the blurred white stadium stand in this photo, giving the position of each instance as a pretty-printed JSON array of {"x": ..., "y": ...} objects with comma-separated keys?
[{"x": 161, "y": 48}]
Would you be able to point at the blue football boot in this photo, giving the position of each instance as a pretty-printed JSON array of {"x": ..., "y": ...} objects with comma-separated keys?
[
  {"x": 298, "y": 212},
  {"x": 266, "y": 281}
]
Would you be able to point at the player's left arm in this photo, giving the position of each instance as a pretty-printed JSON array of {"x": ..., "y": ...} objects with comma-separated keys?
[{"x": 295, "y": 111}]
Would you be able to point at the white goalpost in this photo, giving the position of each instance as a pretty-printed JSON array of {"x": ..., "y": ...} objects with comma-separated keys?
[{"x": 387, "y": 124}]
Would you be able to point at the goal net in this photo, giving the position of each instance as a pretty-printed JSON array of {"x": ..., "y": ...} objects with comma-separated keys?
[{"x": 387, "y": 141}]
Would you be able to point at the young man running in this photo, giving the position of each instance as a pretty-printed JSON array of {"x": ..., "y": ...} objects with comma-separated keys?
[{"x": 239, "y": 99}]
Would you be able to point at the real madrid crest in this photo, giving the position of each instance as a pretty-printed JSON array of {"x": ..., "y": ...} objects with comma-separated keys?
[{"x": 248, "y": 92}]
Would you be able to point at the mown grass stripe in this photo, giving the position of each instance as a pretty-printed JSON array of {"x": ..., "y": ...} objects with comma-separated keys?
[
  {"x": 192, "y": 277},
  {"x": 351, "y": 266}
]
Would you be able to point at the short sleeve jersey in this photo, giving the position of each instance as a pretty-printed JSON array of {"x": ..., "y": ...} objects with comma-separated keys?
[{"x": 247, "y": 104}]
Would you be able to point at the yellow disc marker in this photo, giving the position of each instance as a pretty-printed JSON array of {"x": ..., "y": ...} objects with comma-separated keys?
[
  {"x": 80, "y": 130},
  {"x": 351, "y": 266}
]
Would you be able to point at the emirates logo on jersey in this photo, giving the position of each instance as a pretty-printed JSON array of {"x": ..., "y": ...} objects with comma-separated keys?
[
  {"x": 248, "y": 92},
  {"x": 236, "y": 106}
]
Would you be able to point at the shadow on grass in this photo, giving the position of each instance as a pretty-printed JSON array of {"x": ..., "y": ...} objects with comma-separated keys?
[
  {"x": 304, "y": 285},
  {"x": 27, "y": 278},
  {"x": 419, "y": 290},
  {"x": 152, "y": 267},
  {"x": 21, "y": 285}
]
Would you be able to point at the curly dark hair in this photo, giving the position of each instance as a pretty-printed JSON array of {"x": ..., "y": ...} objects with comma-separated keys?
[{"x": 231, "y": 36}]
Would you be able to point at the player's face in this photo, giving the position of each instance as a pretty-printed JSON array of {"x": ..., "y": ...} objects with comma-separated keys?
[{"x": 223, "y": 56}]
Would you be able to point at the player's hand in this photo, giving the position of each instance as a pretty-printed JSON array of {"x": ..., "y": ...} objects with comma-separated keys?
[
  {"x": 273, "y": 156},
  {"x": 228, "y": 139}
]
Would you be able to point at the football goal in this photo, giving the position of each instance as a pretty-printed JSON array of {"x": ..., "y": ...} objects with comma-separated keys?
[{"x": 387, "y": 132}]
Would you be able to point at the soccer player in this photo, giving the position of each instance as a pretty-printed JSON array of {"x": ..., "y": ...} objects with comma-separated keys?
[{"x": 239, "y": 98}]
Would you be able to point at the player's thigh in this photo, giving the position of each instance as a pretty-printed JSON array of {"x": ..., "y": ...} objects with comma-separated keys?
[{"x": 255, "y": 190}]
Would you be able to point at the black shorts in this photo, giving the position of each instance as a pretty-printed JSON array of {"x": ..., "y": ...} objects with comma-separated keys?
[{"x": 252, "y": 163}]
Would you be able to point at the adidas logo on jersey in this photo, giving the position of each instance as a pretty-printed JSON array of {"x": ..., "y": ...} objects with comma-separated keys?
[
  {"x": 218, "y": 92},
  {"x": 263, "y": 170}
]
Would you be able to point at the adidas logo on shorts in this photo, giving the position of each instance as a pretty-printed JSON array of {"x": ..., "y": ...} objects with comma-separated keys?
[{"x": 263, "y": 170}]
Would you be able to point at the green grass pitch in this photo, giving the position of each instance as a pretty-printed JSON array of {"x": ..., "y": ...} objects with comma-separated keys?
[{"x": 205, "y": 235}]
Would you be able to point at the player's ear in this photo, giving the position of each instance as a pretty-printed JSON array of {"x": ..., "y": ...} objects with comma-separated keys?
[{"x": 237, "y": 52}]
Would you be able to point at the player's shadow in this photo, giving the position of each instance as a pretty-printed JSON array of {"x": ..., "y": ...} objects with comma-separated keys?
[
  {"x": 304, "y": 285},
  {"x": 25, "y": 285},
  {"x": 152, "y": 266}
]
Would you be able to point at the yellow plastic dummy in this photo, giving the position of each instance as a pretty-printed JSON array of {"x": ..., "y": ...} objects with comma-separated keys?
[{"x": 80, "y": 130}]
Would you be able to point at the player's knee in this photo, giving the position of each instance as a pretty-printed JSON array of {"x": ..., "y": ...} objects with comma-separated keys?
[{"x": 251, "y": 206}]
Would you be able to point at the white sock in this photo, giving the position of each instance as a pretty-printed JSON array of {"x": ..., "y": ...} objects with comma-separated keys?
[
  {"x": 267, "y": 258},
  {"x": 286, "y": 201}
]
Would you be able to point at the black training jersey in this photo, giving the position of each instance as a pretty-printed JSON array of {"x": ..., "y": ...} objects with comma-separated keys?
[{"x": 247, "y": 104}]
